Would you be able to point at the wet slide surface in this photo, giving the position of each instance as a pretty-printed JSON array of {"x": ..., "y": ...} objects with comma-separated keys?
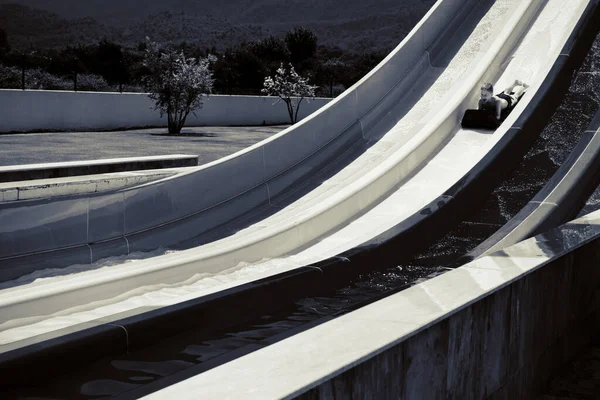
[
  {"x": 547, "y": 154},
  {"x": 460, "y": 143}
]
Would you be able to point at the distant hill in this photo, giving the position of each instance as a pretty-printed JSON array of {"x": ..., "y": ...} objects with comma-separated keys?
[
  {"x": 26, "y": 27},
  {"x": 351, "y": 24}
]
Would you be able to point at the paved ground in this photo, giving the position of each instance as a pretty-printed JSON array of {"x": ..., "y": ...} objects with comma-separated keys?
[{"x": 210, "y": 143}]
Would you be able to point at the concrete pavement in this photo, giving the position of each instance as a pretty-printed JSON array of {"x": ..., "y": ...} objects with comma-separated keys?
[{"x": 209, "y": 142}]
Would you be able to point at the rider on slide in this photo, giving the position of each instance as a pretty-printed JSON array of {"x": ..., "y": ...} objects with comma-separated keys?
[{"x": 506, "y": 99}]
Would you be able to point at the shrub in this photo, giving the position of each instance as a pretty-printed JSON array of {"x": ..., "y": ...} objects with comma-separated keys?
[
  {"x": 177, "y": 84},
  {"x": 290, "y": 87}
]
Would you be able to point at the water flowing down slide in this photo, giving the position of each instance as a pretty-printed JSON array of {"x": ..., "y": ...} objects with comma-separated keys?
[
  {"x": 558, "y": 201},
  {"x": 383, "y": 154}
]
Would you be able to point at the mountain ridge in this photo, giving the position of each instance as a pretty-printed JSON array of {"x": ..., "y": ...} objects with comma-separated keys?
[
  {"x": 359, "y": 25},
  {"x": 238, "y": 11}
]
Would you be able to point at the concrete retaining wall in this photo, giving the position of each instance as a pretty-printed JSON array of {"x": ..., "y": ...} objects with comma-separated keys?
[
  {"x": 496, "y": 328},
  {"x": 505, "y": 346},
  {"x": 30, "y": 110}
]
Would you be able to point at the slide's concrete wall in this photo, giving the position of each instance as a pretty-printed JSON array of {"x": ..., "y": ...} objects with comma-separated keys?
[
  {"x": 31, "y": 110},
  {"x": 496, "y": 328},
  {"x": 504, "y": 346}
]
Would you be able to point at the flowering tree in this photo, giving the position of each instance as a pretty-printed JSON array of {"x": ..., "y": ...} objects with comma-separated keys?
[
  {"x": 176, "y": 84},
  {"x": 289, "y": 87}
]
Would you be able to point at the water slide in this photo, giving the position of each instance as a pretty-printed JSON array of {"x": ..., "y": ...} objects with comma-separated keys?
[
  {"x": 387, "y": 152},
  {"x": 558, "y": 201}
]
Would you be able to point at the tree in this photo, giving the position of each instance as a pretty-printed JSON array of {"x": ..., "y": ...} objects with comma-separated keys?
[
  {"x": 109, "y": 61},
  {"x": 4, "y": 46},
  {"x": 176, "y": 84},
  {"x": 330, "y": 72},
  {"x": 271, "y": 51},
  {"x": 73, "y": 59},
  {"x": 289, "y": 87},
  {"x": 302, "y": 44},
  {"x": 239, "y": 71},
  {"x": 361, "y": 65}
]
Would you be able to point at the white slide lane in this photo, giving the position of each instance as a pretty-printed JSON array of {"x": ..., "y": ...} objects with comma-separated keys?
[{"x": 409, "y": 157}]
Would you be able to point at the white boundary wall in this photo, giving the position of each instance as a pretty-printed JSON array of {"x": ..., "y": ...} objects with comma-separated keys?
[{"x": 30, "y": 110}]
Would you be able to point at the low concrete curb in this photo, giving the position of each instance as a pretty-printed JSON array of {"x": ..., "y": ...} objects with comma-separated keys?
[
  {"x": 15, "y": 173},
  {"x": 85, "y": 184}
]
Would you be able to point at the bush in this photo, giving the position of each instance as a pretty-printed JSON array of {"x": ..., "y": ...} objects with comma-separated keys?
[
  {"x": 177, "y": 84},
  {"x": 92, "y": 83},
  {"x": 38, "y": 79},
  {"x": 290, "y": 87},
  {"x": 10, "y": 77},
  {"x": 42, "y": 80}
]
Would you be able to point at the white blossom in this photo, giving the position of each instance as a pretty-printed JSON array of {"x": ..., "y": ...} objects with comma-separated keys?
[
  {"x": 290, "y": 87},
  {"x": 177, "y": 84}
]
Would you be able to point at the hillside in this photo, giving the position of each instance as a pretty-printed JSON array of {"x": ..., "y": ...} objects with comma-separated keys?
[
  {"x": 237, "y": 11},
  {"x": 354, "y": 25},
  {"x": 27, "y": 28}
]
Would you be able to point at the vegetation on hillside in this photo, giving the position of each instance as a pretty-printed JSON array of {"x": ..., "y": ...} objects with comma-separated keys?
[
  {"x": 355, "y": 25},
  {"x": 99, "y": 44},
  {"x": 239, "y": 69}
]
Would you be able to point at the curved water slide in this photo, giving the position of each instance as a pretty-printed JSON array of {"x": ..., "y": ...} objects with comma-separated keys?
[
  {"x": 378, "y": 155},
  {"x": 557, "y": 202},
  {"x": 394, "y": 107}
]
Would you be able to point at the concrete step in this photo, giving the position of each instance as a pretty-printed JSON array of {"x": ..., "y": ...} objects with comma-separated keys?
[
  {"x": 15, "y": 173},
  {"x": 48, "y": 188}
]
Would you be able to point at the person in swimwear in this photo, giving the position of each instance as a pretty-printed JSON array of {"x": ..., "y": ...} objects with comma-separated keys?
[{"x": 506, "y": 99}]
